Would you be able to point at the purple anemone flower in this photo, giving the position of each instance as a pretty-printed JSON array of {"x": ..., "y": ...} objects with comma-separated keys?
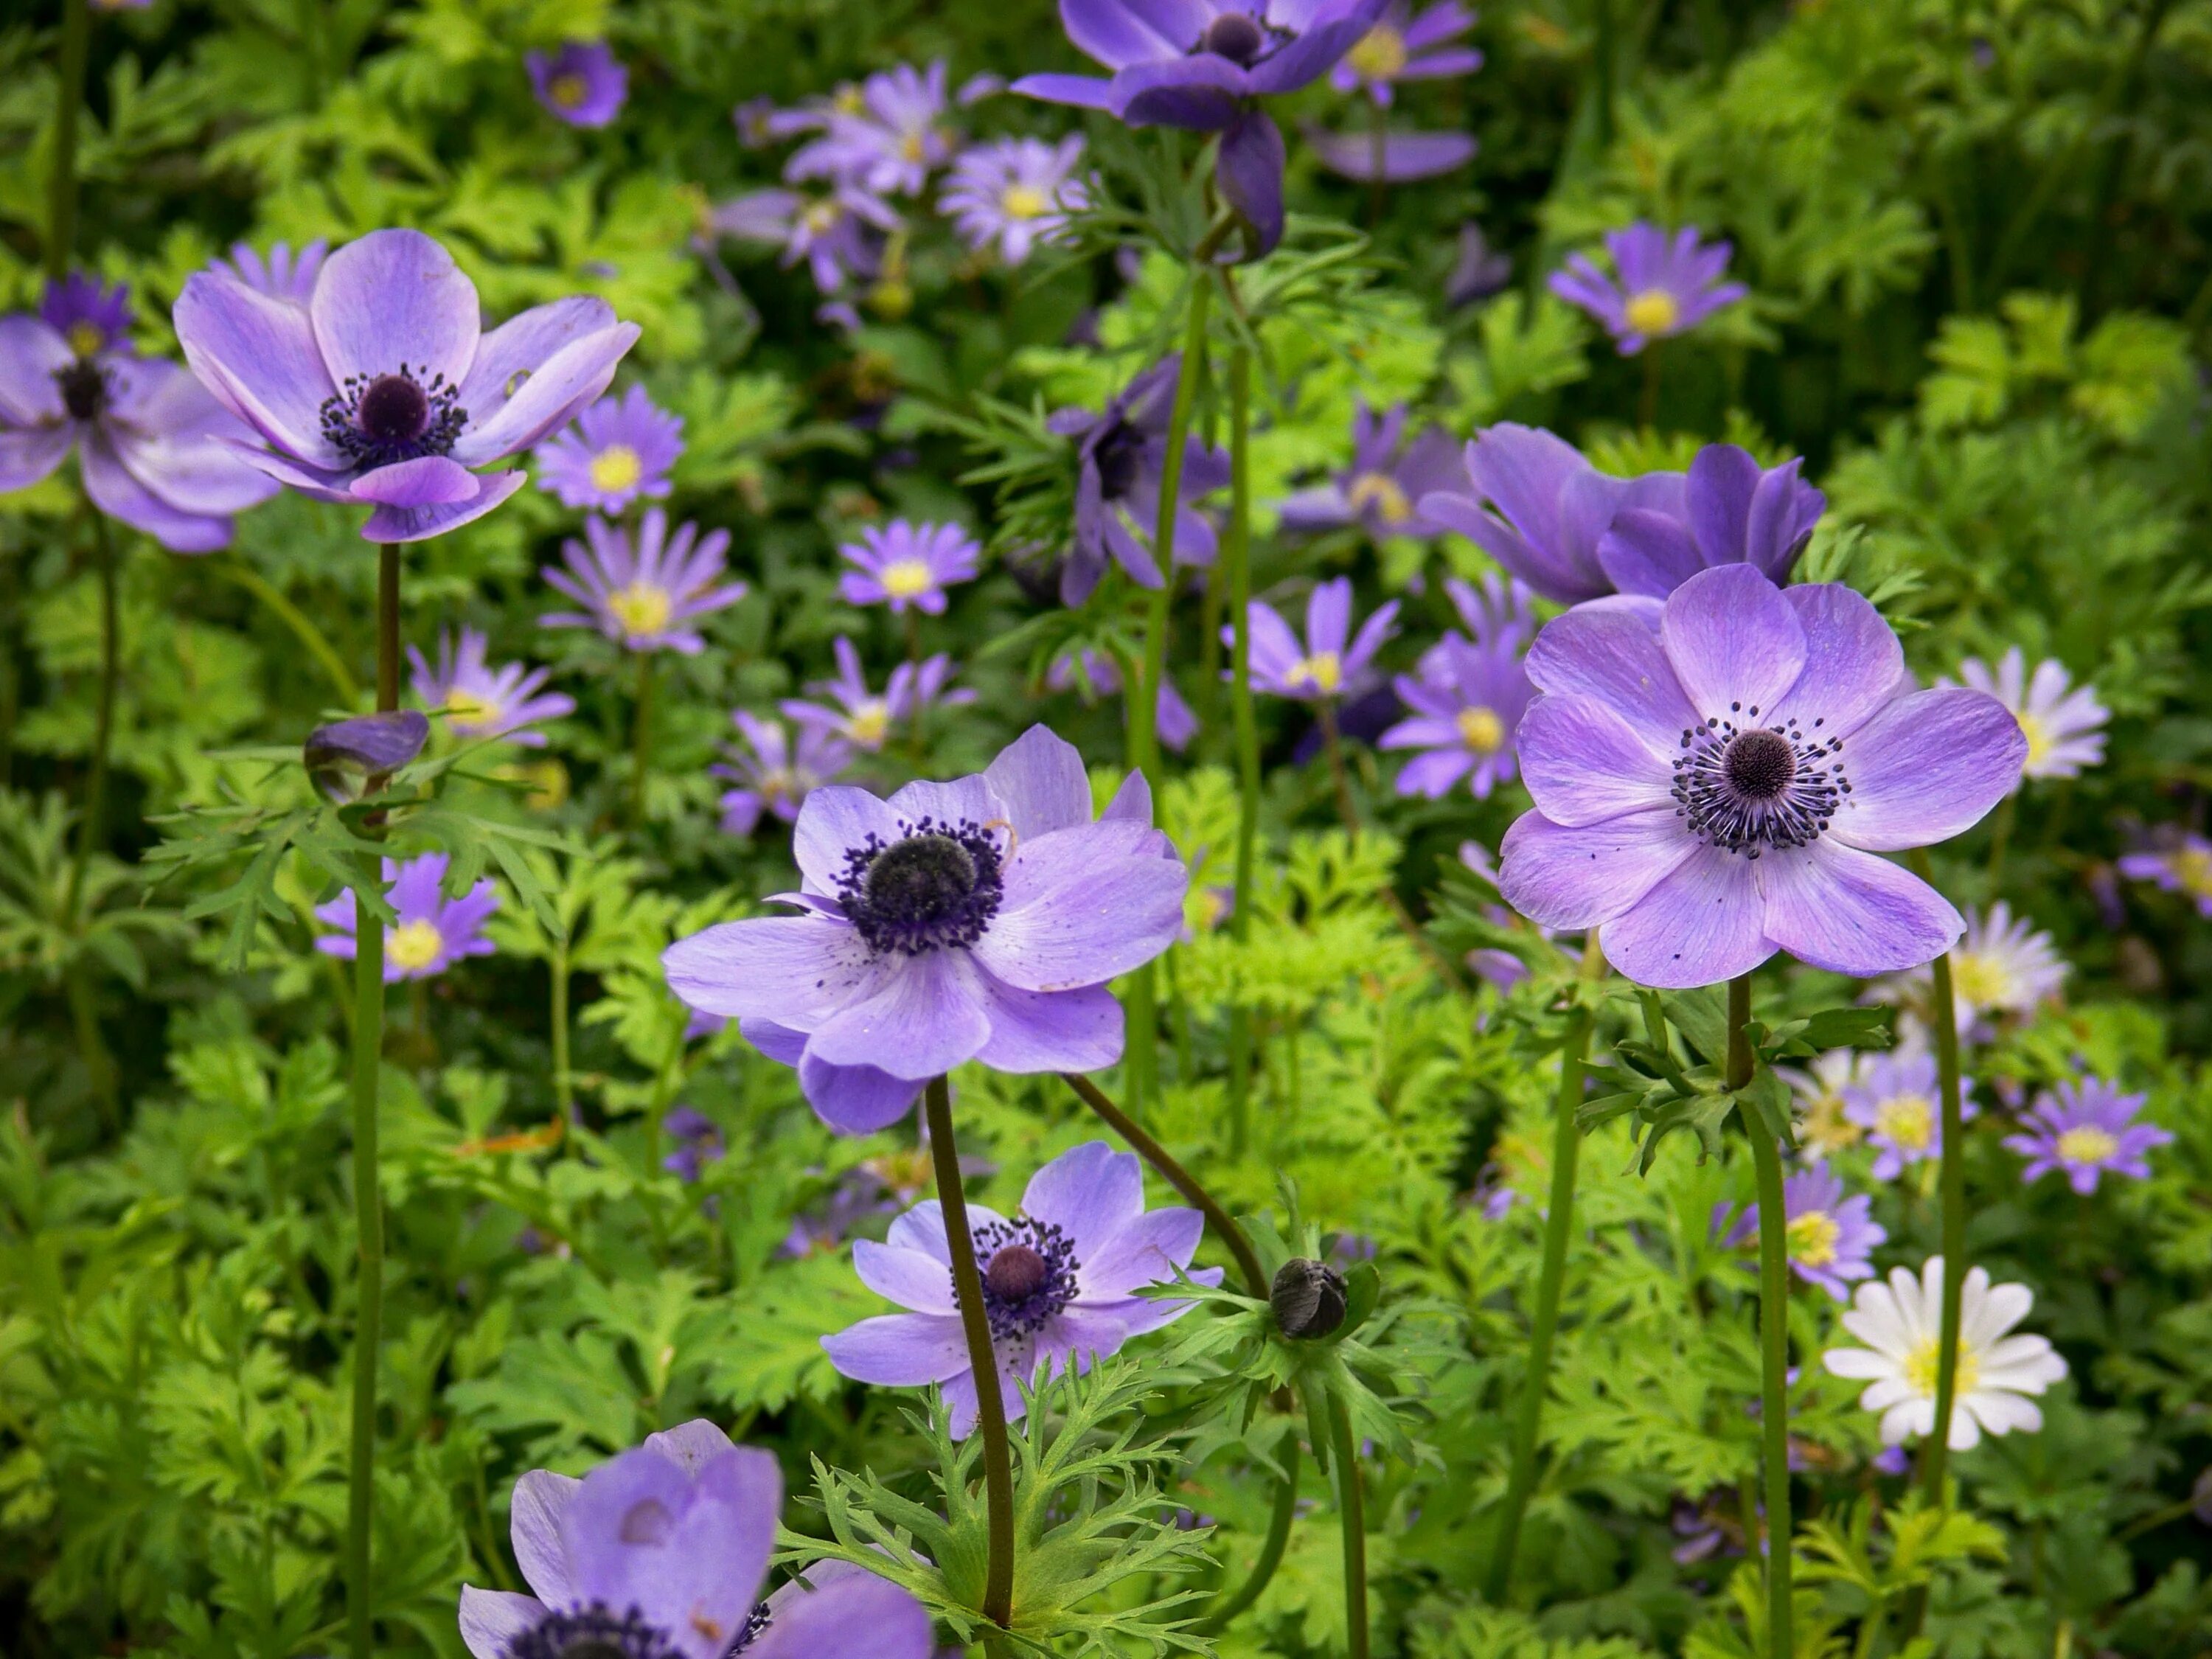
[
  {"x": 280, "y": 274},
  {"x": 153, "y": 449},
  {"x": 383, "y": 389},
  {"x": 698, "y": 1140},
  {"x": 865, "y": 718},
  {"x": 584, "y": 83},
  {"x": 1665, "y": 285},
  {"x": 1060, "y": 1283},
  {"x": 840, "y": 235},
  {"x": 975, "y": 919},
  {"x": 1012, "y": 193},
  {"x": 432, "y": 933},
  {"x": 1382, "y": 489},
  {"x": 1719, "y": 787},
  {"x": 1831, "y": 1237},
  {"x": 619, "y": 449},
  {"x": 484, "y": 702},
  {"x": 1389, "y": 158},
  {"x": 1121, "y": 458},
  {"x": 2178, "y": 863},
  {"x": 1463, "y": 716},
  {"x": 1097, "y": 674},
  {"x": 1894, "y": 1100},
  {"x": 1729, "y": 510},
  {"x": 662, "y": 1553},
  {"x": 901, "y": 564},
  {"x": 1403, "y": 46},
  {"x": 1324, "y": 668},
  {"x": 2087, "y": 1130},
  {"x": 640, "y": 597},
  {"x": 887, "y": 139},
  {"x": 774, "y": 774}
]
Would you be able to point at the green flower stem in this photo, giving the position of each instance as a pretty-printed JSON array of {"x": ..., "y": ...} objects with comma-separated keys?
[
  {"x": 1352, "y": 1516},
  {"x": 975, "y": 1325},
  {"x": 1237, "y": 556},
  {"x": 1951, "y": 1186},
  {"x": 239, "y": 573},
  {"x": 61, "y": 198},
  {"x": 90, "y": 827},
  {"x": 1773, "y": 1330},
  {"x": 640, "y": 738},
  {"x": 1225, "y": 1611},
  {"x": 564, "y": 1083}
]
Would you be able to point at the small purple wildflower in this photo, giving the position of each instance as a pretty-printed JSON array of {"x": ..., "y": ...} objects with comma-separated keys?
[
  {"x": 484, "y": 702},
  {"x": 1894, "y": 1100},
  {"x": 866, "y": 719},
  {"x": 1402, "y": 46},
  {"x": 2004, "y": 966},
  {"x": 1387, "y": 478},
  {"x": 1462, "y": 718},
  {"x": 2064, "y": 722},
  {"x": 619, "y": 449},
  {"x": 773, "y": 774},
  {"x": 824, "y": 1227},
  {"x": 641, "y": 595},
  {"x": 1478, "y": 271},
  {"x": 1121, "y": 461},
  {"x": 840, "y": 235},
  {"x": 1012, "y": 193},
  {"x": 1325, "y": 667},
  {"x": 584, "y": 83},
  {"x": 1831, "y": 1237},
  {"x": 903, "y": 564},
  {"x": 432, "y": 933},
  {"x": 1665, "y": 285},
  {"x": 887, "y": 139},
  {"x": 281, "y": 275},
  {"x": 2178, "y": 863},
  {"x": 1098, "y": 675},
  {"x": 2085, "y": 1130},
  {"x": 698, "y": 1142}
]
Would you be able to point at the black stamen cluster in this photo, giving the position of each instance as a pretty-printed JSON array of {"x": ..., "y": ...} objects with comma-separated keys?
[
  {"x": 1746, "y": 788},
  {"x": 935, "y": 888},
  {"x": 594, "y": 1632},
  {"x": 84, "y": 389},
  {"x": 1029, "y": 1275},
  {"x": 1238, "y": 36},
  {"x": 756, "y": 1622},
  {"x": 378, "y": 419}
]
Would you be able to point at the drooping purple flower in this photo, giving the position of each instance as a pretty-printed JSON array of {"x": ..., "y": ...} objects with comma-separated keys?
[
  {"x": 2064, "y": 722},
  {"x": 975, "y": 919},
  {"x": 484, "y": 702},
  {"x": 280, "y": 274},
  {"x": 1060, "y": 1283},
  {"x": 2086, "y": 1130},
  {"x": 1662, "y": 286},
  {"x": 1382, "y": 489},
  {"x": 641, "y": 596},
  {"x": 383, "y": 390},
  {"x": 1831, "y": 1237},
  {"x": 1324, "y": 666},
  {"x": 1462, "y": 718},
  {"x": 1390, "y": 158},
  {"x": 887, "y": 139},
  {"x": 1730, "y": 511},
  {"x": 772, "y": 773},
  {"x": 866, "y": 719},
  {"x": 1719, "y": 788},
  {"x": 1401, "y": 47},
  {"x": 1895, "y": 1100},
  {"x": 1120, "y": 460},
  {"x": 1478, "y": 271},
  {"x": 153, "y": 448},
  {"x": 619, "y": 449},
  {"x": 584, "y": 83},
  {"x": 698, "y": 1140},
  {"x": 1097, "y": 674},
  {"x": 2178, "y": 861},
  {"x": 662, "y": 1553},
  {"x": 1012, "y": 193},
  {"x": 903, "y": 564},
  {"x": 342, "y": 756},
  {"x": 839, "y": 234},
  {"x": 432, "y": 933}
]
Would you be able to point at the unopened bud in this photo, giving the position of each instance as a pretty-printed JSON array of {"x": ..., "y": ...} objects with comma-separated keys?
[
  {"x": 342, "y": 756},
  {"x": 1307, "y": 1297}
]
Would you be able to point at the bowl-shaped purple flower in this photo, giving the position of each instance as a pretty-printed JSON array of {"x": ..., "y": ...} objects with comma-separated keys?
[{"x": 1121, "y": 456}]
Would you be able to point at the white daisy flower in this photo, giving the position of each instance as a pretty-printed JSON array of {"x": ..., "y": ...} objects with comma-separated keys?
[
  {"x": 2065, "y": 724},
  {"x": 2004, "y": 965},
  {"x": 1822, "y": 1127},
  {"x": 1900, "y": 1320}
]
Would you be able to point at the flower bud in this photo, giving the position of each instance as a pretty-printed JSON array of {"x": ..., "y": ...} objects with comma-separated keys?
[
  {"x": 1308, "y": 1298},
  {"x": 342, "y": 756}
]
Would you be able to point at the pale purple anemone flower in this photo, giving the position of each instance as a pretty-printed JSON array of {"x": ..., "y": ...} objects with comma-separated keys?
[
  {"x": 903, "y": 564},
  {"x": 772, "y": 773},
  {"x": 1060, "y": 1283},
  {"x": 640, "y": 596},
  {"x": 153, "y": 449},
  {"x": 2178, "y": 863},
  {"x": 662, "y": 1553},
  {"x": 280, "y": 274},
  {"x": 2064, "y": 722},
  {"x": 1662, "y": 286},
  {"x": 1404, "y": 46},
  {"x": 2087, "y": 1130},
  {"x": 1120, "y": 460},
  {"x": 1894, "y": 1100},
  {"x": 887, "y": 139},
  {"x": 1097, "y": 674},
  {"x": 1382, "y": 489},
  {"x": 865, "y": 718},
  {"x": 1010, "y": 194},
  {"x": 385, "y": 389},
  {"x": 584, "y": 83},
  {"x": 1719, "y": 787},
  {"x": 840, "y": 235},
  {"x": 432, "y": 933},
  {"x": 619, "y": 449},
  {"x": 484, "y": 702},
  {"x": 1728, "y": 509},
  {"x": 1325, "y": 667},
  {"x": 1389, "y": 158},
  {"x": 1462, "y": 715},
  {"x": 1831, "y": 1237},
  {"x": 977, "y": 920}
]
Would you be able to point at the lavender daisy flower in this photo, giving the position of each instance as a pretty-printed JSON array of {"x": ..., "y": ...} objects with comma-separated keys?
[
  {"x": 2004, "y": 966},
  {"x": 2180, "y": 864},
  {"x": 976, "y": 920},
  {"x": 432, "y": 933},
  {"x": 640, "y": 597},
  {"x": 1831, "y": 1237},
  {"x": 903, "y": 564},
  {"x": 1402, "y": 46},
  {"x": 839, "y": 235},
  {"x": 1463, "y": 717},
  {"x": 1325, "y": 667},
  {"x": 2064, "y": 722},
  {"x": 662, "y": 1553},
  {"x": 153, "y": 448},
  {"x": 773, "y": 774},
  {"x": 1387, "y": 478},
  {"x": 1498, "y": 615},
  {"x": 887, "y": 140},
  {"x": 281, "y": 275},
  {"x": 698, "y": 1142},
  {"x": 2087, "y": 1130},
  {"x": 584, "y": 83},
  {"x": 864, "y": 718},
  {"x": 1098, "y": 675},
  {"x": 383, "y": 388},
  {"x": 1012, "y": 193},
  {"x": 1060, "y": 1283},
  {"x": 484, "y": 702},
  {"x": 1666, "y": 285},
  {"x": 1120, "y": 460},
  {"x": 1731, "y": 511},
  {"x": 619, "y": 449},
  {"x": 1719, "y": 788},
  {"x": 1894, "y": 1102},
  {"x": 1389, "y": 158}
]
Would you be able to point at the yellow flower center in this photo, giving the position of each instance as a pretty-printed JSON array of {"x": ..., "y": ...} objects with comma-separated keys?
[
  {"x": 1382, "y": 492},
  {"x": 870, "y": 724},
  {"x": 2086, "y": 1146},
  {"x": 467, "y": 708},
  {"x": 1921, "y": 1363},
  {"x": 413, "y": 946},
  {"x": 1653, "y": 312},
  {"x": 2193, "y": 870},
  {"x": 910, "y": 147},
  {"x": 849, "y": 100},
  {"x": 1812, "y": 1238},
  {"x": 566, "y": 90},
  {"x": 1380, "y": 55},
  {"x": 906, "y": 579},
  {"x": 1324, "y": 672},
  {"x": 819, "y": 218},
  {"x": 615, "y": 469},
  {"x": 1908, "y": 1121},
  {"x": 1023, "y": 202},
  {"x": 1827, "y": 1129},
  {"x": 1480, "y": 730},
  {"x": 86, "y": 337},
  {"x": 1984, "y": 979},
  {"x": 641, "y": 608},
  {"x": 2039, "y": 741}
]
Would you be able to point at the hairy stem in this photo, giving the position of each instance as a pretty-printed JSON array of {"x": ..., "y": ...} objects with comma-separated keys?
[
  {"x": 60, "y": 188},
  {"x": 1237, "y": 554},
  {"x": 239, "y": 573},
  {"x": 1225, "y": 1611},
  {"x": 1773, "y": 1329}
]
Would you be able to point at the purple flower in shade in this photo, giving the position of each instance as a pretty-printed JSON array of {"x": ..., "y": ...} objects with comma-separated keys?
[
  {"x": 1541, "y": 509},
  {"x": 887, "y": 139},
  {"x": 383, "y": 389},
  {"x": 2178, "y": 863},
  {"x": 1729, "y": 510},
  {"x": 1831, "y": 1237},
  {"x": 1719, "y": 787},
  {"x": 2004, "y": 966},
  {"x": 901, "y": 564},
  {"x": 698, "y": 1142},
  {"x": 432, "y": 933},
  {"x": 1389, "y": 158},
  {"x": 1666, "y": 285},
  {"x": 642, "y": 596},
  {"x": 1012, "y": 193},
  {"x": 1060, "y": 1283},
  {"x": 619, "y": 449},
  {"x": 152, "y": 445},
  {"x": 1098, "y": 675},
  {"x": 1463, "y": 718},
  {"x": 662, "y": 1553},
  {"x": 1478, "y": 271},
  {"x": 1325, "y": 667},
  {"x": 282, "y": 274},
  {"x": 584, "y": 83},
  {"x": 1894, "y": 1102},
  {"x": 2085, "y": 1130},
  {"x": 840, "y": 235},
  {"x": 975, "y": 919},
  {"x": 2064, "y": 722},
  {"x": 1388, "y": 477},
  {"x": 820, "y": 1228},
  {"x": 1120, "y": 460},
  {"x": 866, "y": 719},
  {"x": 1402, "y": 46},
  {"x": 773, "y": 774},
  {"x": 484, "y": 702}
]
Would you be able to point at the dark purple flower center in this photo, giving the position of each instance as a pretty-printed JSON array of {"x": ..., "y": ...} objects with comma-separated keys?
[
  {"x": 1746, "y": 788},
  {"x": 1029, "y": 1275},
  {"x": 935, "y": 888},
  {"x": 83, "y": 386},
  {"x": 383, "y": 419},
  {"x": 1119, "y": 458},
  {"x": 598, "y": 1632},
  {"x": 1235, "y": 35}
]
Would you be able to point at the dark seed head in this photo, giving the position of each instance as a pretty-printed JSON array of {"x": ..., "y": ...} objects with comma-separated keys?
[
  {"x": 596, "y": 1631},
  {"x": 936, "y": 887},
  {"x": 83, "y": 386},
  {"x": 1016, "y": 1273},
  {"x": 921, "y": 878},
  {"x": 394, "y": 410},
  {"x": 1232, "y": 35},
  {"x": 1307, "y": 1297},
  {"x": 1759, "y": 764}
]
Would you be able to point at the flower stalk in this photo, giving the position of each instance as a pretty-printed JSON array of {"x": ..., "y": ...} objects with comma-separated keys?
[
  {"x": 241, "y": 574},
  {"x": 1225, "y": 1611},
  {"x": 1351, "y": 1514},
  {"x": 640, "y": 738},
  {"x": 1773, "y": 1329},
  {"x": 1951, "y": 1189},
  {"x": 1237, "y": 554}
]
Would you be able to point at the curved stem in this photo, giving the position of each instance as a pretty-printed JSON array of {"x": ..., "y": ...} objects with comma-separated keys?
[
  {"x": 1224, "y": 1612},
  {"x": 242, "y": 575},
  {"x": 975, "y": 1325},
  {"x": 641, "y": 739},
  {"x": 564, "y": 1087},
  {"x": 1237, "y": 554},
  {"x": 92, "y": 826},
  {"x": 1773, "y": 1330},
  {"x": 1352, "y": 1516},
  {"x": 61, "y": 199}
]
